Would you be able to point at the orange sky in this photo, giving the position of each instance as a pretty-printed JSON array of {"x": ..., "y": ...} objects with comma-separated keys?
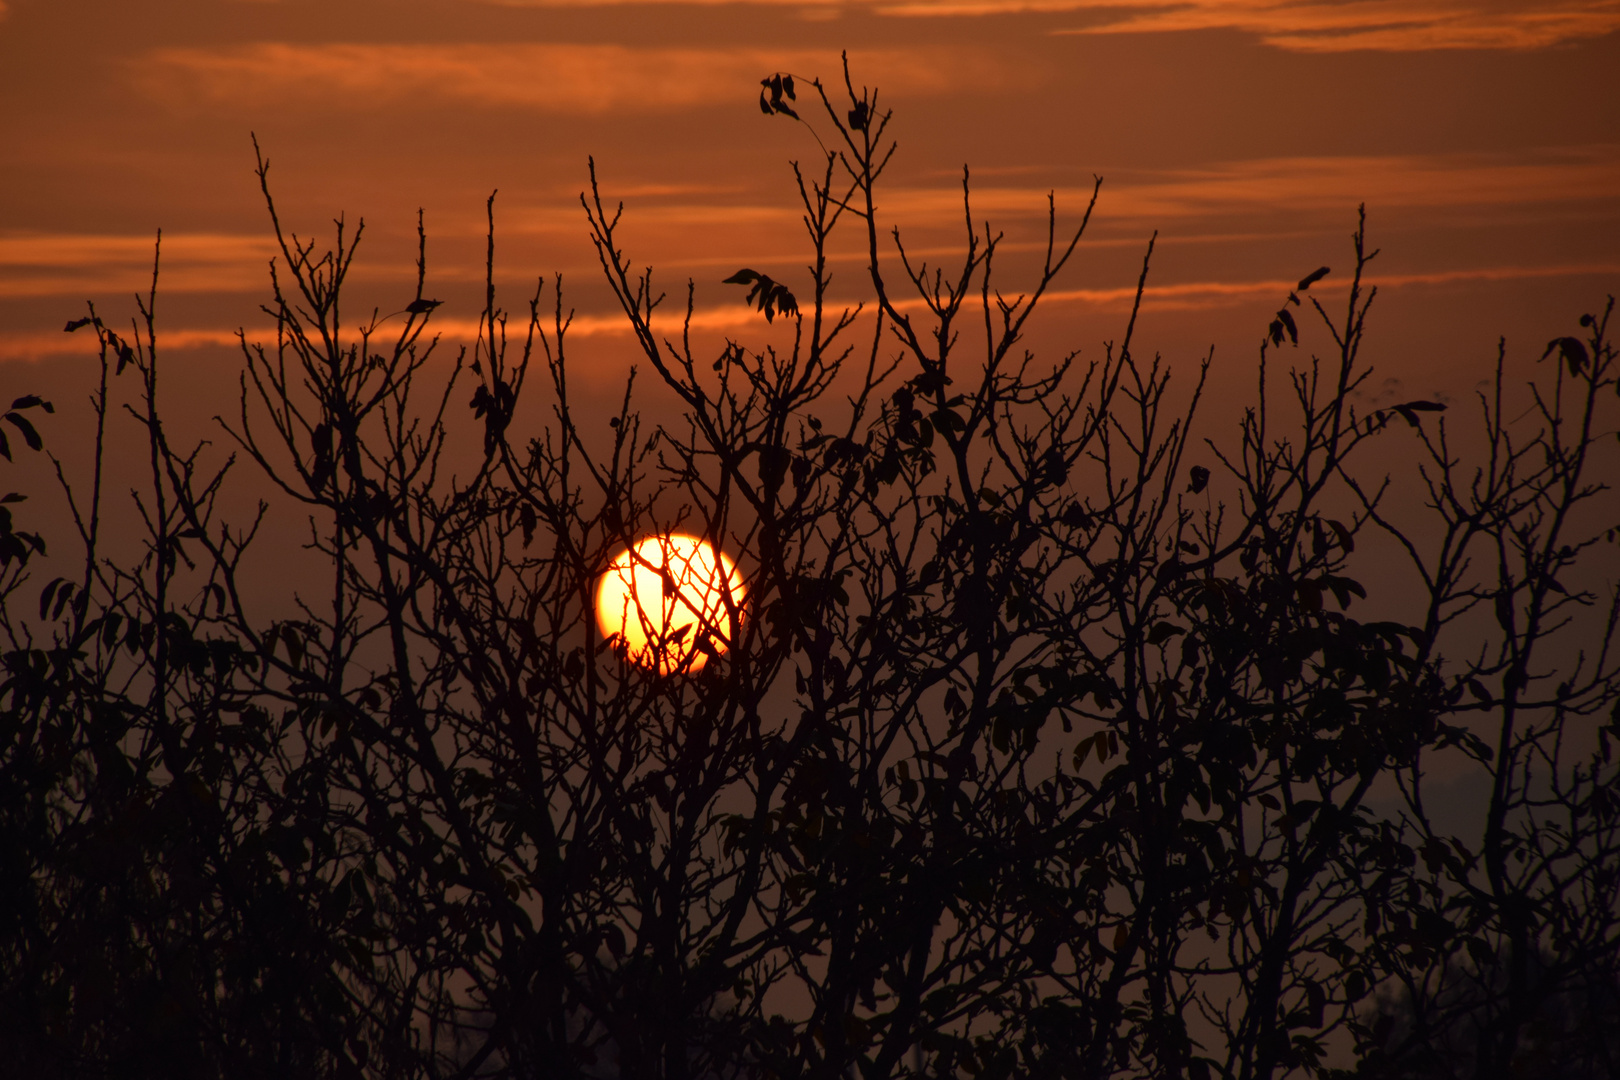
[{"x": 1484, "y": 135}]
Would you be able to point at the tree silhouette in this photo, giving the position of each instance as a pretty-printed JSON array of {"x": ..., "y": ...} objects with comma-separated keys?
[{"x": 1049, "y": 741}]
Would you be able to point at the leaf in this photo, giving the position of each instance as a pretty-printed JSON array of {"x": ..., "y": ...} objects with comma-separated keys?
[
  {"x": 1312, "y": 278},
  {"x": 63, "y": 595},
  {"x": 1200, "y": 479},
  {"x": 1346, "y": 539},
  {"x": 770, "y": 99},
  {"x": 126, "y": 355},
  {"x": 1163, "y": 632},
  {"x": 1343, "y": 589},
  {"x": 1572, "y": 351},
  {"x": 1408, "y": 411},
  {"x": 858, "y": 117},
  {"x": 613, "y": 938},
  {"x": 1504, "y": 610},
  {"x": 1316, "y": 998},
  {"x": 1288, "y": 320},
  {"x": 1055, "y": 466},
  {"x": 1075, "y": 516},
  {"x": 947, "y": 420},
  {"x": 773, "y": 466},
  {"x": 771, "y": 297},
  {"x": 28, "y": 433},
  {"x": 30, "y": 401},
  {"x": 295, "y": 647},
  {"x": 49, "y": 591},
  {"x": 784, "y": 301},
  {"x": 77, "y": 324}
]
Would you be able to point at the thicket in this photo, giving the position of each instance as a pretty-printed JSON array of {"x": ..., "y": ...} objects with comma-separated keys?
[{"x": 1051, "y": 741}]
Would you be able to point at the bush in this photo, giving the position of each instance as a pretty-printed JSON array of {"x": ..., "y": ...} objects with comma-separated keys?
[{"x": 1046, "y": 741}]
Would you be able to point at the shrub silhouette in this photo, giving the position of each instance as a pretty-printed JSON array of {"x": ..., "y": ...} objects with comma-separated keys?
[{"x": 1051, "y": 742}]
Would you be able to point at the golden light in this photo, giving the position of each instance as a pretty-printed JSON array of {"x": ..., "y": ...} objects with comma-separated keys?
[{"x": 672, "y": 600}]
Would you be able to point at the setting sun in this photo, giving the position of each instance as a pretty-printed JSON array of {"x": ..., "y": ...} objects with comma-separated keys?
[{"x": 672, "y": 599}]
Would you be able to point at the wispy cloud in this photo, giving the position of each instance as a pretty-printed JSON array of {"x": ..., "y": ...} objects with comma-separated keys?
[
  {"x": 56, "y": 264},
  {"x": 1203, "y": 295},
  {"x": 743, "y": 319},
  {"x": 1384, "y": 25},
  {"x": 1298, "y": 25},
  {"x": 568, "y": 78},
  {"x": 1385, "y": 183},
  {"x": 1192, "y": 200}
]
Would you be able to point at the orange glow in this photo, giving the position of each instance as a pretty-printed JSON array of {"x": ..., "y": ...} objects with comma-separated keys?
[{"x": 667, "y": 598}]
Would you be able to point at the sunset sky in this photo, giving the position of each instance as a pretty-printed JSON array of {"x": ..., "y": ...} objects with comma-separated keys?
[{"x": 1483, "y": 135}]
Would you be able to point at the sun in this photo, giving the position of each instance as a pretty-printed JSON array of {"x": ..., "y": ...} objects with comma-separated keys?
[{"x": 673, "y": 600}]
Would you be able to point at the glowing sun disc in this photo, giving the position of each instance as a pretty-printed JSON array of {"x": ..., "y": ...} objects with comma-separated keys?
[{"x": 671, "y": 599}]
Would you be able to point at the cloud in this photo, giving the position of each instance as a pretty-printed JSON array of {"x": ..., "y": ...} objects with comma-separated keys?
[
  {"x": 1296, "y": 25},
  {"x": 736, "y": 318},
  {"x": 1383, "y": 25},
  {"x": 559, "y": 78},
  {"x": 1386, "y": 182},
  {"x": 56, "y": 264},
  {"x": 1190, "y": 201},
  {"x": 1335, "y": 184},
  {"x": 1202, "y": 295}
]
